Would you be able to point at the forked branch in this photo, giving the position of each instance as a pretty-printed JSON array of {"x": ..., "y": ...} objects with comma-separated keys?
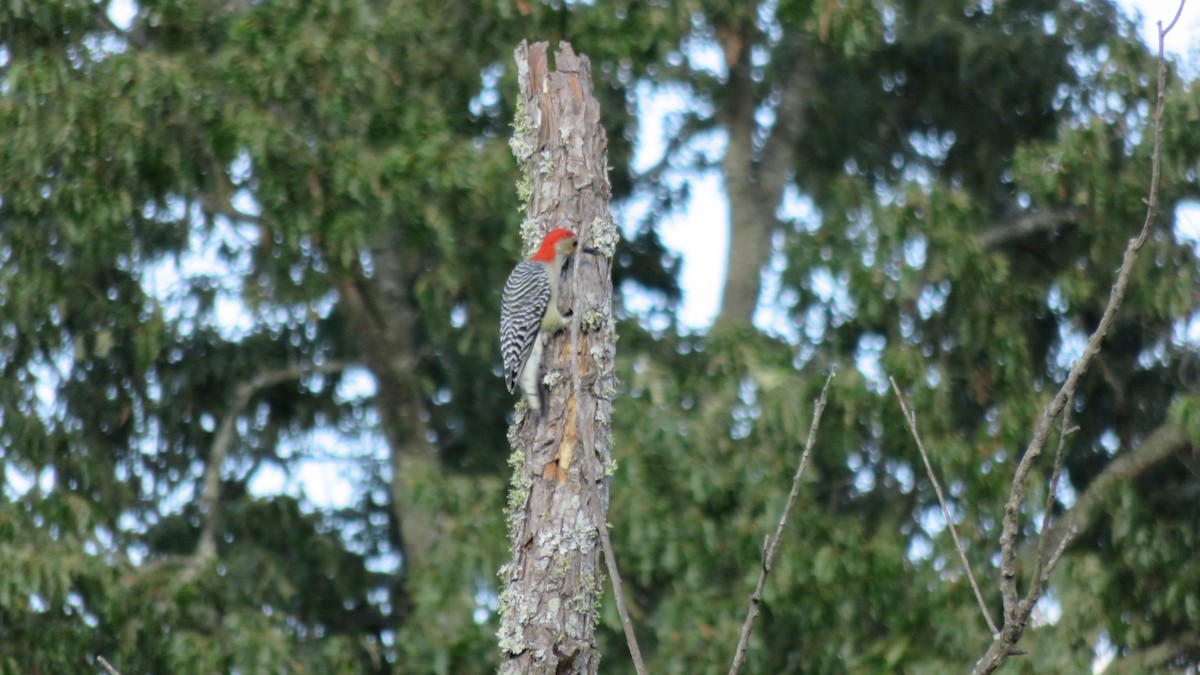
[{"x": 1017, "y": 610}]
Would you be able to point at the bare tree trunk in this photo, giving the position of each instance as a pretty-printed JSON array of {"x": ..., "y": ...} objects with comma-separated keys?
[
  {"x": 559, "y": 495},
  {"x": 384, "y": 321},
  {"x": 754, "y": 182}
]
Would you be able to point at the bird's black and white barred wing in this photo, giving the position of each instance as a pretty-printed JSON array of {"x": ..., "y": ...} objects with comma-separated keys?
[{"x": 522, "y": 308}]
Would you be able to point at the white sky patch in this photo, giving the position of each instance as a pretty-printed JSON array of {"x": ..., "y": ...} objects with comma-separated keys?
[
  {"x": 1047, "y": 611},
  {"x": 700, "y": 232},
  {"x": 1181, "y": 42},
  {"x": 326, "y": 467},
  {"x": 1105, "y": 654},
  {"x": 122, "y": 13},
  {"x": 167, "y": 280}
]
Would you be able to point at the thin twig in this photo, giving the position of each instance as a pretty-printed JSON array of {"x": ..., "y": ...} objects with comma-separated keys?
[
  {"x": 1042, "y": 570},
  {"x": 910, "y": 418},
  {"x": 1163, "y": 443},
  {"x": 107, "y": 666},
  {"x": 1016, "y": 614},
  {"x": 610, "y": 561},
  {"x": 591, "y": 462},
  {"x": 771, "y": 546}
]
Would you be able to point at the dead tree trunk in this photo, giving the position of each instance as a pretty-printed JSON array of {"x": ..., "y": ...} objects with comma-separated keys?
[{"x": 561, "y": 463}]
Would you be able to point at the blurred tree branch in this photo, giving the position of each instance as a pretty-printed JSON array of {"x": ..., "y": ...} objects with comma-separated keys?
[
  {"x": 1155, "y": 657},
  {"x": 1159, "y": 446},
  {"x": 210, "y": 494},
  {"x": 1019, "y": 228}
]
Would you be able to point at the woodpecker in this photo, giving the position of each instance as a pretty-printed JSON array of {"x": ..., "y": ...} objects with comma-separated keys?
[{"x": 529, "y": 308}]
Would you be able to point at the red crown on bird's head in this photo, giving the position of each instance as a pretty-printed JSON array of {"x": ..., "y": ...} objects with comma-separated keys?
[{"x": 546, "y": 252}]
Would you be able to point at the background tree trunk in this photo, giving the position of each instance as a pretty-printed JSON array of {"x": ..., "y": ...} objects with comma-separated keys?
[
  {"x": 755, "y": 178},
  {"x": 559, "y": 494}
]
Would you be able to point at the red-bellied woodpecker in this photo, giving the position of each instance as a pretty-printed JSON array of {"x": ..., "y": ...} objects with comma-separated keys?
[{"x": 528, "y": 308}]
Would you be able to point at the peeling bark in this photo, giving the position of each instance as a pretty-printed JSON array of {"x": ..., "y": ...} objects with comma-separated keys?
[{"x": 561, "y": 463}]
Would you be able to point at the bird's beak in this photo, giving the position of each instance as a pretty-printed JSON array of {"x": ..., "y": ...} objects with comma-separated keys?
[{"x": 589, "y": 250}]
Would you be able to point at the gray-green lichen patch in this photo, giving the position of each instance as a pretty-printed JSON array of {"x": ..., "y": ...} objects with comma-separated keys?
[
  {"x": 549, "y": 618},
  {"x": 605, "y": 388},
  {"x": 545, "y": 165},
  {"x": 579, "y": 534},
  {"x": 524, "y": 192},
  {"x": 532, "y": 232},
  {"x": 605, "y": 236},
  {"x": 610, "y": 467},
  {"x": 573, "y": 626},
  {"x": 524, "y": 138},
  {"x": 518, "y": 490},
  {"x": 586, "y": 602},
  {"x": 548, "y": 196},
  {"x": 512, "y": 433},
  {"x": 552, "y": 379},
  {"x": 600, "y": 353},
  {"x": 562, "y": 567},
  {"x": 523, "y": 144},
  {"x": 593, "y": 319},
  {"x": 510, "y": 635},
  {"x": 515, "y": 614}
]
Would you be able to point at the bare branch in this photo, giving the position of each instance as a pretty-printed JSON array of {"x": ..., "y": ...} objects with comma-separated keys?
[
  {"x": 1043, "y": 566},
  {"x": 910, "y": 419},
  {"x": 1163, "y": 33},
  {"x": 1016, "y": 614},
  {"x": 610, "y": 562},
  {"x": 1153, "y": 658},
  {"x": 771, "y": 546},
  {"x": 1027, "y": 225},
  {"x": 108, "y": 667}
]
